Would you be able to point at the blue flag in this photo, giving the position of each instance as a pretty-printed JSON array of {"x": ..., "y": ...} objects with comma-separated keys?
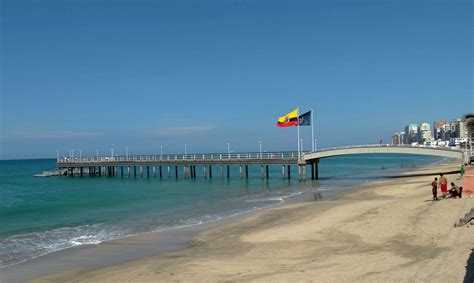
[{"x": 305, "y": 119}]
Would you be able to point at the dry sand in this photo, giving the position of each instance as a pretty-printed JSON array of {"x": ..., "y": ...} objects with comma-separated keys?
[{"x": 384, "y": 231}]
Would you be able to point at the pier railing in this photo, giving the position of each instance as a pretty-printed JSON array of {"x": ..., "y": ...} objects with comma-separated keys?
[
  {"x": 226, "y": 156},
  {"x": 389, "y": 145},
  {"x": 184, "y": 157}
]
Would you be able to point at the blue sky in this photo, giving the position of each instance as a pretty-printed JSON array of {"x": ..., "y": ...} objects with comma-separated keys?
[{"x": 98, "y": 74}]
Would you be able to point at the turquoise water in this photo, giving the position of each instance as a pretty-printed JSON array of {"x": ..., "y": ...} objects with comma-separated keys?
[{"x": 42, "y": 215}]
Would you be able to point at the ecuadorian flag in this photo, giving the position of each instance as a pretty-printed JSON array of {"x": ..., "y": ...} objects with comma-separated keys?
[{"x": 290, "y": 119}]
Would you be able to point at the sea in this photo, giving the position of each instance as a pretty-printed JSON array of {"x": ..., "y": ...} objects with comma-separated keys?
[{"x": 39, "y": 216}]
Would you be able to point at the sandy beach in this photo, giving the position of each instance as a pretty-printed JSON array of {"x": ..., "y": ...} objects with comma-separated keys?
[{"x": 384, "y": 231}]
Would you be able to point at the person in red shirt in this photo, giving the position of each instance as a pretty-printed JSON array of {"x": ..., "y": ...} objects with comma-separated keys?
[{"x": 434, "y": 188}]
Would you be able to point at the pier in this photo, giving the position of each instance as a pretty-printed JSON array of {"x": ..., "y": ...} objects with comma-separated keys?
[
  {"x": 212, "y": 165},
  {"x": 183, "y": 165}
]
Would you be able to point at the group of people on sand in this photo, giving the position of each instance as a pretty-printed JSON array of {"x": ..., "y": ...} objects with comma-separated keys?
[{"x": 454, "y": 192}]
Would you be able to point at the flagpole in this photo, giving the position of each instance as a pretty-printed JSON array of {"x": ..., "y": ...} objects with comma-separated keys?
[
  {"x": 312, "y": 130},
  {"x": 298, "y": 125}
]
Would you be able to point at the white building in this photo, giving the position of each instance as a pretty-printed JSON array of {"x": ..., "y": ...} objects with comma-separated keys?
[{"x": 425, "y": 133}]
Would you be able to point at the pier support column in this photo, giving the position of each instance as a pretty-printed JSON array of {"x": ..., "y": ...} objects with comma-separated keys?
[
  {"x": 176, "y": 171},
  {"x": 81, "y": 170},
  {"x": 128, "y": 171},
  {"x": 302, "y": 172},
  {"x": 261, "y": 172},
  {"x": 161, "y": 172},
  {"x": 169, "y": 174},
  {"x": 154, "y": 172},
  {"x": 266, "y": 172},
  {"x": 100, "y": 170},
  {"x": 204, "y": 171},
  {"x": 222, "y": 171},
  {"x": 240, "y": 171},
  {"x": 194, "y": 171},
  {"x": 148, "y": 171},
  {"x": 121, "y": 171},
  {"x": 312, "y": 170},
  {"x": 289, "y": 172},
  {"x": 134, "y": 171},
  {"x": 228, "y": 171},
  {"x": 246, "y": 171},
  {"x": 283, "y": 171},
  {"x": 210, "y": 171},
  {"x": 316, "y": 170},
  {"x": 141, "y": 171}
]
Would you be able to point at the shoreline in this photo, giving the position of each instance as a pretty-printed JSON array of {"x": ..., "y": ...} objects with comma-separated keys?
[{"x": 188, "y": 237}]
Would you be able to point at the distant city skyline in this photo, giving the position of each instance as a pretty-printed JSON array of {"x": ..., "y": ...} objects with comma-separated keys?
[
  {"x": 443, "y": 132},
  {"x": 98, "y": 75}
]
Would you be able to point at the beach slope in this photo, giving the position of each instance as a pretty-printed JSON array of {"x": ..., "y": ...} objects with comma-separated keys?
[{"x": 385, "y": 231}]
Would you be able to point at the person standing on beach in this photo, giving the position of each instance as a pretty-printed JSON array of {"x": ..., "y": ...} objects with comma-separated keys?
[
  {"x": 462, "y": 170},
  {"x": 443, "y": 183},
  {"x": 434, "y": 188}
]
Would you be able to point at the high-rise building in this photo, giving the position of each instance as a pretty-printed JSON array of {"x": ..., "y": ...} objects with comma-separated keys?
[
  {"x": 398, "y": 138},
  {"x": 461, "y": 129},
  {"x": 395, "y": 140},
  {"x": 424, "y": 133},
  {"x": 438, "y": 129},
  {"x": 411, "y": 133},
  {"x": 401, "y": 137},
  {"x": 446, "y": 132}
]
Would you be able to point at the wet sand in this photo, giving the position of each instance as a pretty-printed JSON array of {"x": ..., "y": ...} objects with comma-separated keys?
[{"x": 384, "y": 231}]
